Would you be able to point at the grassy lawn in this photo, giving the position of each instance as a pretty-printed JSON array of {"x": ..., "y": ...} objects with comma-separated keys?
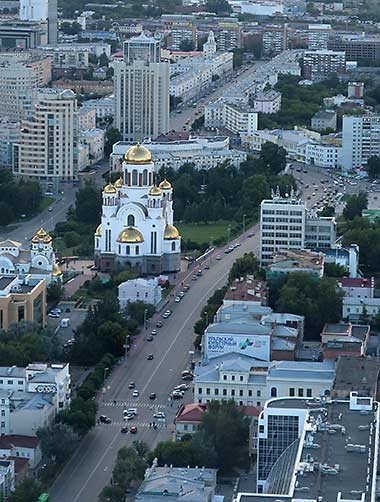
[{"x": 204, "y": 233}]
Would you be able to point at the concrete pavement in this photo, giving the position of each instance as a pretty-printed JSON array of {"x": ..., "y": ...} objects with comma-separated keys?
[{"x": 90, "y": 468}]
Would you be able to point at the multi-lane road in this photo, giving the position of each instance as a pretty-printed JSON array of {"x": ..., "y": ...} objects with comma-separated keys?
[{"x": 90, "y": 468}]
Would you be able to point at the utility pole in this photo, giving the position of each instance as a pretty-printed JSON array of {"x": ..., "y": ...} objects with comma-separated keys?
[{"x": 244, "y": 216}]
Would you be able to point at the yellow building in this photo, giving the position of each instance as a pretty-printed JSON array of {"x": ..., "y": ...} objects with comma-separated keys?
[{"x": 22, "y": 300}]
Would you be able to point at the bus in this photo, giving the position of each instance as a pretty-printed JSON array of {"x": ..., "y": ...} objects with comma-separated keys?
[{"x": 44, "y": 497}]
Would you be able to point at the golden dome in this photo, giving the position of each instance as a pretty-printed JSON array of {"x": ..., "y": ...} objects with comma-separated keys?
[
  {"x": 165, "y": 185},
  {"x": 48, "y": 239},
  {"x": 109, "y": 188},
  {"x": 56, "y": 270},
  {"x": 154, "y": 190},
  {"x": 171, "y": 232},
  {"x": 138, "y": 154},
  {"x": 130, "y": 235},
  {"x": 119, "y": 182},
  {"x": 41, "y": 234},
  {"x": 98, "y": 231}
]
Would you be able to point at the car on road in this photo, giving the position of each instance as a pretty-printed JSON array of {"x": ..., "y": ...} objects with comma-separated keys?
[
  {"x": 131, "y": 385},
  {"x": 150, "y": 357},
  {"x": 159, "y": 414},
  {"x": 130, "y": 411},
  {"x": 129, "y": 417},
  {"x": 218, "y": 257},
  {"x": 52, "y": 314},
  {"x": 181, "y": 294},
  {"x": 133, "y": 430},
  {"x": 152, "y": 396},
  {"x": 194, "y": 278},
  {"x": 186, "y": 287},
  {"x": 153, "y": 332},
  {"x": 182, "y": 386},
  {"x": 135, "y": 393},
  {"x": 124, "y": 430},
  {"x": 149, "y": 338},
  {"x": 177, "y": 395},
  {"x": 177, "y": 299},
  {"x": 167, "y": 313},
  {"x": 104, "y": 419},
  {"x": 250, "y": 235},
  {"x": 187, "y": 377},
  {"x": 207, "y": 267},
  {"x": 159, "y": 324}
]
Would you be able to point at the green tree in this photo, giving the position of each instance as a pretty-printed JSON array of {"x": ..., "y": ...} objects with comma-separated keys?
[
  {"x": 335, "y": 270},
  {"x": 248, "y": 264},
  {"x": 58, "y": 442},
  {"x": 186, "y": 45},
  {"x": 6, "y": 213},
  {"x": 373, "y": 167},
  {"x": 54, "y": 292},
  {"x": 355, "y": 205},
  {"x": 225, "y": 430},
  {"x": 364, "y": 317},
  {"x": 175, "y": 453},
  {"x": 103, "y": 60},
  {"x": 113, "y": 135},
  {"x": 136, "y": 311},
  {"x": 327, "y": 211},
  {"x": 88, "y": 204},
  {"x": 70, "y": 28},
  {"x": 318, "y": 300},
  {"x": 26, "y": 490},
  {"x": 273, "y": 158},
  {"x": 80, "y": 416},
  {"x": 218, "y": 6},
  {"x": 376, "y": 321}
]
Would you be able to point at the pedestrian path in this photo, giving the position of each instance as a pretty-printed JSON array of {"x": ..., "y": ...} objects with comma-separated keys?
[
  {"x": 130, "y": 424},
  {"x": 135, "y": 404}
]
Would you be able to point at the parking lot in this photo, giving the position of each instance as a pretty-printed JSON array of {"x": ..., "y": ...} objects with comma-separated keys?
[{"x": 76, "y": 317}]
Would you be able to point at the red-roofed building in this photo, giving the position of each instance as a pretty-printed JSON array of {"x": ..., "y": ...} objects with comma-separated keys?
[
  {"x": 21, "y": 468},
  {"x": 189, "y": 418},
  {"x": 21, "y": 447},
  {"x": 357, "y": 287},
  {"x": 247, "y": 290}
]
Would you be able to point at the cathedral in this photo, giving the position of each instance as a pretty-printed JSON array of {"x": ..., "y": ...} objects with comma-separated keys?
[
  {"x": 38, "y": 261},
  {"x": 137, "y": 220}
]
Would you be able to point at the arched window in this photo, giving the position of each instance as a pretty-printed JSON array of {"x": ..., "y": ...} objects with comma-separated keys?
[
  {"x": 173, "y": 246},
  {"x": 134, "y": 177},
  {"x": 128, "y": 249},
  {"x": 273, "y": 392},
  {"x": 145, "y": 177},
  {"x": 131, "y": 220}
]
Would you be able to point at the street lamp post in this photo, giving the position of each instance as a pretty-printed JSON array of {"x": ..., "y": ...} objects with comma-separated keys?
[
  {"x": 104, "y": 376},
  {"x": 145, "y": 314},
  {"x": 244, "y": 216},
  {"x": 228, "y": 233}
]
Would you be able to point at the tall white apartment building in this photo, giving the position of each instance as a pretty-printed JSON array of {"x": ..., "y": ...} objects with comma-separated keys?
[
  {"x": 282, "y": 225},
  {"x": 141, "y": 85},
  {"x": 41, "y": 10},
  {"x": 18, "y": 90},
  {"x": 360, "y": 140},
  {"x": 236, "y": 117},
  {"x": 319, "y": 35},
  {"x": 285, "y": 223},
  {"x": 48, "y": 149}
]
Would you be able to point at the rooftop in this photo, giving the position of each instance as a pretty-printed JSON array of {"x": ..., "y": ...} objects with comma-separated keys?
[
  {"x": 356, "y": 282},
  {"x": 11, "y": 441},
  {"x": 338, "y": 448},
  {"x": 357, "y": 373},
  {"x": 324, "y": 115},
  {"x": 297, "y": 259},
  {"x": 247, "y": 290}
]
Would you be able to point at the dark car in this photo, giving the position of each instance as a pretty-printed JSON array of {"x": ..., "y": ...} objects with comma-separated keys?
[
  {"x": 133, "y": 430},
  {"x": 152, "y": 395},
  {"x": 149, "y": 338},
  {"x": 67, "y": 309},
  {"x": 124, "y": 430},
  {"x": 104, "y": 419},
  {"x": 150, "y": 357},
  {"x": 159, "y": 324},
  {"x": 131, "y": 385}
]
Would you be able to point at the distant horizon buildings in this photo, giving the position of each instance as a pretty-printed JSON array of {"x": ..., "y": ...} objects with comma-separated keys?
[{"x": 141, "y": 88}]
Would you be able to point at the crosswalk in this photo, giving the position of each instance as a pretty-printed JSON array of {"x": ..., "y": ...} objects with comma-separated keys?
[
  {"x": 132, "y": 424},
  {"x": 135, "y": 404}
]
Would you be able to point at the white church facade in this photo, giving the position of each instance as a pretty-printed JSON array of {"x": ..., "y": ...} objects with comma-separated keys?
[
  {"x": 137, "y": 228},
  {"x": 38, "y": 261}
]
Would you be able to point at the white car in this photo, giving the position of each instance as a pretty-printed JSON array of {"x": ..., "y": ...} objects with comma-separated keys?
[
  {"x": 177, "y": 299},
  {"x": 135, "y": 393},
  {"x": 159, "y": 414}
]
